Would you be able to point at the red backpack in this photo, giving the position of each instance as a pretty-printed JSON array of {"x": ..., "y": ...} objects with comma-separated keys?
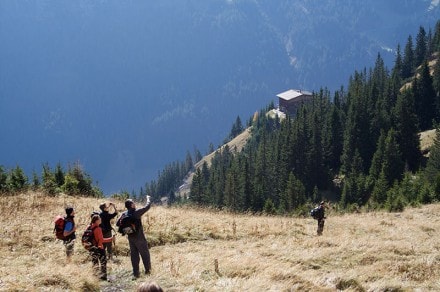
[
  {"x": 88, "y": 238},
  {"x": 59, "y": 221}
]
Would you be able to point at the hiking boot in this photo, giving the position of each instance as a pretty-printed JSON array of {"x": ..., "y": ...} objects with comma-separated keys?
[{"x": 136, "y": 276}]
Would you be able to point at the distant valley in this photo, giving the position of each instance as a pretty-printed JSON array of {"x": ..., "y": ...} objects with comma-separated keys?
[{"x": 125, "y": 87}]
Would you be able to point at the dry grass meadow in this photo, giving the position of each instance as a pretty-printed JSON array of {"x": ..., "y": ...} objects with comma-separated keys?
[{"x": 201, "y": 250}]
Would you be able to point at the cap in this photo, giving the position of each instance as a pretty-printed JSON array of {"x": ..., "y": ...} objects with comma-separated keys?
[
  {"x": 322, "y": 203},
  {"x": 69, "y": 210},
  {"x": 103, "y": 206},
  {"x": 94, "y": 213},
  {"x": 128, "y": 203}
]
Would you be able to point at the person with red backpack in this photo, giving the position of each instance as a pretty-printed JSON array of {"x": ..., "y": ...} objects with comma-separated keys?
[
  {"x": 69, "y": 232},
  {"x": 97, "y": 251}
]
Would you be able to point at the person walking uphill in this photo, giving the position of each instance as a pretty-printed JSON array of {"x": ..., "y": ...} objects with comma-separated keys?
[
  {"x": 106, "y": 226},
  {"x": 69, "y": 232},
  {"x": 321, "y": 217},
  {"x": 130, "y": 224}
]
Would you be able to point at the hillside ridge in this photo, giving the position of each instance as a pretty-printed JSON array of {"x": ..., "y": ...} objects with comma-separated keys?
[{"x": 235, "y": 145}]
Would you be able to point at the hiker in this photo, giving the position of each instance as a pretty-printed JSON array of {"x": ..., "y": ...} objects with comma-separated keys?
[
  {"x": 320, "y": 216},
  {"x": 106, "y": 226},
  {"x": 69, "y": 232},
  {"x": 136, "y": 238},
  {"x": 97, "y": 251},
  {"x": 149, "y": 287}
]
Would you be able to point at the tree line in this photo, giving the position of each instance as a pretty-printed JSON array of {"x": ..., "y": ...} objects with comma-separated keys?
[
  {"x": 360, "y": 145},
  {"x": 73, "y": 181}
]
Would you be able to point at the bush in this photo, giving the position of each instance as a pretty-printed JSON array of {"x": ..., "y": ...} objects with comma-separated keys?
[
  {"x": 16, "y": 180},
  {"x": 269, "y": 207}
]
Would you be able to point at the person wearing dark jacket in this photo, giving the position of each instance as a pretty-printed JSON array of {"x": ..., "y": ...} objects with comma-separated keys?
[
  {"x": 106, "y": 226},
  {"x": 137, "y": 241},
  {"x": 69, "y": 232},
  {"x": 321, "y": 218}
]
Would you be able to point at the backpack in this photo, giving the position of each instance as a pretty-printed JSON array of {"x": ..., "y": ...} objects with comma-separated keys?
[
  {"x": 88, "y": 238},
  {"x": 314, "y": 212},
  {"x": 59, "y": 221},
  {"x": 126, "y": 224}
]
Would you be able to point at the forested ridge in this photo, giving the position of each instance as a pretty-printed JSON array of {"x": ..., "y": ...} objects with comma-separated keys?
[{"x": 358, "y": 146}]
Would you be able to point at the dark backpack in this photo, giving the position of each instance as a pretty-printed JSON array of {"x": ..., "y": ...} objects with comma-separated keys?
[
  {"x": 126, "y": 224},
  {"x": 88, "y": 238},
  {"x": 59, "y": 221},
  {"x": 314, "y": 212}
]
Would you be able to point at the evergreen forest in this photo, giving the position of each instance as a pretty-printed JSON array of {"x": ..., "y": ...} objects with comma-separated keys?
[{"x": 358, "y": 146}]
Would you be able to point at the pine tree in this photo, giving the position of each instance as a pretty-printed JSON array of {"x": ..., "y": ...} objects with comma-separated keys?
[
  {"x": 189, "y": 164},
  {"x": 407, "y": 131},
  {"x": 16, "y": 180},
  {"x": 295, "y": 193},
  {"x": 436, "y": 83},
  {"x": 408, "y": 59},
  {"x": 353, "y": 191},
  {"x": 379, "y": 194},
  {"x": 436, "y": 38},
  {"x": 49, "y": 183},
  {"x": 425, "y": 98},
  {"x": 333, "y": 139},
  {"x": 35, "y": 181},
  {"x": 393, "y": 165},
  {"x": 378, "y": 158},
  {"x": 196, "y": 194},
  {"x": 432, "y": 169},
  {"x": 59, "y": 175},
  {"x": 3, "y": 177},
  {"x": 420, "y": 51}
]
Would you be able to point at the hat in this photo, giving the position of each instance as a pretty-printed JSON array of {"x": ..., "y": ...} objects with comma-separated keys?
[
  {"x": 69, "y": 211},
  {"x": 103, "y": 206},
  {"x": 322, "y": 203},
  {"x": 128, "y": 203},
  {"x": 94, "y": 213}
]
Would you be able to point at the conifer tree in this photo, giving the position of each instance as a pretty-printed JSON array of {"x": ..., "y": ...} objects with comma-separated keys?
[
  {"x": 59, "y": 175},
  {"x": 232, "y": 187},
  {"x": 196, "y": 194},
  {"x": 378, "y": 158},
  {"x": 408, "y": 59},
  {"x": 420, "y": 51},
  {"x": 333, "y": 139},
  {"x": 353, "y": 191},
  {"x": 395, "y": 82},
  {"x": 432, "y": 169},
  {"x": 16, "y": 179},
  {"x": 407, "y": 131},
  {"x": 295, "y": 194},
  {"x": 379, "y": 194},
  {"x": 3, "y": 177},
  {"x": 393, "y": 165},
  {"x": 436, "y": 83},
  {"x": 436, "y": 38},
  {"x": 189, "y": 164},
  {"x": 425, "y": 98},
  {"x": 49, "y": 183},
  {"x": 35, "y": 181}
]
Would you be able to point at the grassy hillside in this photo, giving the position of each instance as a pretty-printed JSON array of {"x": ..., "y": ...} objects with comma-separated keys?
[{"x": 365, "y": 251}]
